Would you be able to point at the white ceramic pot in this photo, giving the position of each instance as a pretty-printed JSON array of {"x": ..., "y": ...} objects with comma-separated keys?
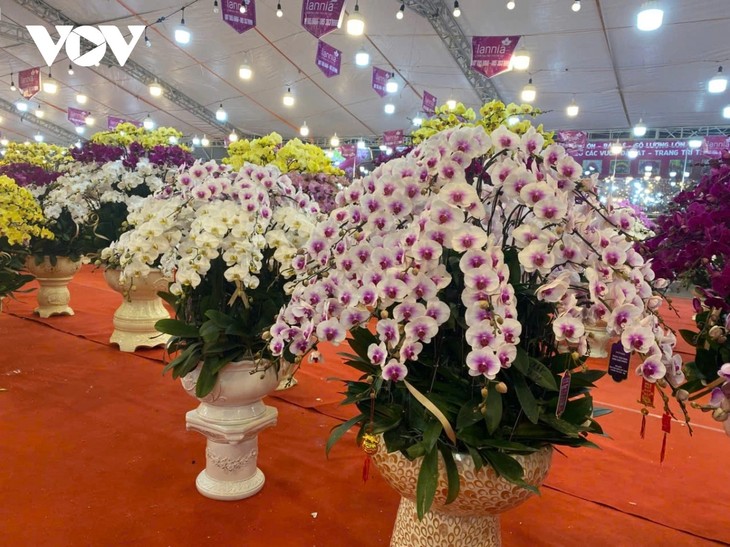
[
  {"x": 472, "y": 520},
  {"x": 141, "y": 308},
  {"x": 53, "y": 295},
  {"x": 231, "y": 417}
]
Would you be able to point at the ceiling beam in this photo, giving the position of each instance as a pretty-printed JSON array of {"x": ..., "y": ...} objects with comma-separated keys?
[
  {"x": 53, "y": 16},
  {"x": 438, "y": 13},
  {"x": 63, "y": 134}
]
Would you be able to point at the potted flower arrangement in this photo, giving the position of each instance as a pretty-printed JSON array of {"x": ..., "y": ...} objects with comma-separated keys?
[
  {"x": 692, "y": 247},
  {"x": 226, "y": 238},
  {"x": 307, "y": 165},
  {"x": 465, "y": 274},
  {"x": 20, "y": 220}
]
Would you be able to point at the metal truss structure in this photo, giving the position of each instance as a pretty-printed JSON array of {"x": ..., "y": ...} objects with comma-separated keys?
[{"x": 51, "y": 128}]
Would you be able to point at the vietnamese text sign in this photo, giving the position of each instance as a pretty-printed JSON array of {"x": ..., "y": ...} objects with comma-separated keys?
[
  {"x": 240, "y": 22},
  {"x": 491, "y": 55},
  {"x": 573, "y": 141},
  {"x": 429, "y": 103},
  {"x": 393, "y": 138},
  {"x": 328, "y": 59},
  {"x": 77, "y": 116},
  {"x": 29, "y": 82},
  {"x": 380, "y": 78},
  {"x": 320, "y": 17}
]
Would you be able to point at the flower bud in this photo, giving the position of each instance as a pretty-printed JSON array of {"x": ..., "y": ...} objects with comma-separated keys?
[
  {"x": 682, "y": 395},
  {"x": 484, "y": 392},
  {"x": 384, "y": 314},
  {"x": 715, "y": 332},
  {"x": 501, "y": 387},
  {"x": 661, "y": 382},
  {"x": 720, "y": 415}
]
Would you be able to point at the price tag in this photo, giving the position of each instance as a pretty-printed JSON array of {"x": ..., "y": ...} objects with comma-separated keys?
[
  {"x": 618, "y": 362},
  {"x": 563, "y": 396}
]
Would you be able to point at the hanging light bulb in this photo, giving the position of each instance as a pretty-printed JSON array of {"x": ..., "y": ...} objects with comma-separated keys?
[
  {"x": 182, "y": 34},
  {"x": 362, "y": 58},
  {"x": 511, "y": 4},
  {"x": 80, "y": 129},
  {"x": 355, "y": 23},
  {"x": 245, "y": 72},
  {"x": 718, "y": 83},
  {"x": 572, "y": 109},
  {"x": 401, "y": 11},
  {"x": 242, "y": 7},
  {"x": 22, "y": 106},
  {"x": 38, "y": 137},
  {"x": 172, "y": 139},
  {"x": 726, "y": 112},
  {"x": 650, "y": 17},
  {"x": 155, "y": 89},
  {"x": 204, "y": 141},
  {"x": 49, "y": 84},
  {"x": 148, "y": 123},
  {"x": 695, "y": 143},
  {"x": 520, "y": 59},
  {"x": 70, "y": 69},
  {"x": 639, "y": 129},
  {"x": 81, "y": 98},
  {"x": 616, "y": 148},
  {"x": 279, "y": 11},
  {"x": 12, "y": 83},
  {"x": 220, "y": 114},
  {"x": 335, "y": 141},
  {"x": 288, "y": 98},
  {"x": 360, "y": 145},
  {"x": 196, "y": 141},
  {"x": 575, "y": 6},
  {"x": 418, "y": 120},
  {"x": 216, "y": 8},
  {"x": 391, "y": 86},
  {"x": 89, "y": 120},
  {"x": 633, "y": 153},
  {"x": 512, "y": 120},
  {"x": 389, "y": 108},
  {"x": 304, "y": 130},
  {"x": 529, "y": 92},
  {"x": 39, "y": 113},
  {"x": 457, "y": 9},
  {"x": 146, "y": 39},
  {"x": 4, "y": 142},
  {"x": 233, "y": 137},
  {"x": 451, "y": 104}
]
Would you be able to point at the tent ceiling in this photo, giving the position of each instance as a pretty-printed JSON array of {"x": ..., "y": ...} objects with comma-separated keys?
[{"x": 616, "y": 76}]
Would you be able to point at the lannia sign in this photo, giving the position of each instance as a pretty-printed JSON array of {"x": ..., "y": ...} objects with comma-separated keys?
[{"x": 101, "y": 37}]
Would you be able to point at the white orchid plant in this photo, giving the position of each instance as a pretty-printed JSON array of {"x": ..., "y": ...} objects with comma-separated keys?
[
  {"x": 226, "y": 240},
  {"x": 465, "y": 274}
]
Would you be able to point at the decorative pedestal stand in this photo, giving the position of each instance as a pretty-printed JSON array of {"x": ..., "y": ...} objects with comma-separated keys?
[
  {"x": 598, "y": 340},
  {"x": 53, "y": 295},
  {"x": 469, "y": 521},
  {"x": 231, "y": 417},
  {"x": 286, "y": 378},
  {"x": 134, "y": 320}
]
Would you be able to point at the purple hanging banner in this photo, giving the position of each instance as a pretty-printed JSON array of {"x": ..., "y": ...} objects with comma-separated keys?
[
  {"x": 573, "y": 141},
  {"x": 322, "y": 17},
  {"x": 76, "y": 116},
  {"x": 29, "y": 82},
  {"x": 393, "y": 138},
  {"x": 328, "y": 59},
  {"x": 490, "y": 55},
  {"x": 429, "y": 103},
  {"x": 380, "y": 78},
  {"x": 715, "y": 145},
  {"x": 240, "y": 22},
  {"x": 112, "y": 122}
]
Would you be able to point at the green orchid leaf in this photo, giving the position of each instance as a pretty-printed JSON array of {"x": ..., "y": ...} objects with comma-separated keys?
[
  {"x": 493, "y": 417},
  {"x": 175, "y": 327},
  {"x": 427, "y": 483},
  {"x": 452, "y": 473},
  {"x": 338, "y": 431}
]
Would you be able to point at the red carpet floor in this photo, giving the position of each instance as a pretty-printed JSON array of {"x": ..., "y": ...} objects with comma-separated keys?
[{"x": 93, "y": 451}]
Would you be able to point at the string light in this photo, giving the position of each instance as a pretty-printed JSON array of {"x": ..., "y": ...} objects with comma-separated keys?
[
  {"x": 451, "y": 104},
  {"x": 279, "y": 11},
  {"x": 204, "y": 142},
  {"x": 335, "y": 141},
  {"x": 233, "y": 137},
  {"x": 245, "y": 72},
  {"x": 362, "y": 58},
  {"x": 80, "y": 129},
  {"x": 182, "y": 34},
  {"x": 172, "y": 139},
  {"x": 89, "y": 120},
  {"x": 81, "y": 98},
  {"x": 512, "y": 120},
  {"x": 39, "y": 112},
  {"x": 389, "y": 108},
  {"x": 650, "y": 17},
  {"x": 520, "y": 59},
  {"x": 148, "y": 123},
  {"x": 70, "y": 69},
  {"x": 221, "y": 115},
  {"x": 633, "y": 154},
  {"x": 572, "y": 109},
  {"x": 401, "y": 11},
  {"x": 639, "y": 129},
  {"x": 694, "y": 143},
  {"x": 457, "y": 9},
  {"x": 726, "y": 112},
  {"x": 355, "y": 23},
  {"x": 22, "y": 106},
  {"x": 196, "y": 141},
  {"x": 418, "y": 120},
  {"x": 38, "y": 137},
  {"x": 576, "y": 6},
  {"x": 288, "y": 98},
  {"x": 511, "y": 4},
  {"x": 242, "y": 8},
  {"x": 49, "y": 84},
  {"x": 155, "y": 89},
  {"x": 146, "y": 39},
  {"x": 718, "y": 83},
  {"x": 616, "y": 148},
  {"x": 529, "y": 92},
  {"x": 304, "y": 130},
  {"x": 391, "y": 86},
  {"x": 216, "y": 8},
  {"x": 12, "y": 83},
  {"x": 4, "y": 142},
  {"x": 360, "y": 145}
]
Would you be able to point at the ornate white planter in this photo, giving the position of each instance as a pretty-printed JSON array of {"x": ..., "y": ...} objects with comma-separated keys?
[
  {"x": 53, "y": 295},
  {"x": 286, "y": 378},
  {"x": 141, "y": 308},
  {"x": 469, "y": 521},
  {"x": 598, "y": 340},
  {"x": 231, "y": 417}
]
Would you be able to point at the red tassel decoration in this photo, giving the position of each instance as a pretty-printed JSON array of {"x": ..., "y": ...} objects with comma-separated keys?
[
  {"x": 666, "y": 427},
  {"x": 366, "y": 469},
  {"x": 370, "y": 447},
  {"x": 644, "y": 412}
]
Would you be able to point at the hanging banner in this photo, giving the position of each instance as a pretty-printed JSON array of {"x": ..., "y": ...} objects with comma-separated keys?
[
  {"x": 29, "y": 82},
  {"x": 715, "y": 145},
  {"x": 429, "y": 103},
  {"x": 572, "y": 141},
  {"x": 76, "y": 116},
  {"x": 112, "y": 122},
  {"x": 322, "y": 17},
  {"x": 490, "y": 55},
  {"x": 353, "y": 158},
  {"x": 328, "y": 59},
  {"x": 240, "y": 22},
  {"x": 393, "y": 138},
  {"x": 380, "y": 78}
]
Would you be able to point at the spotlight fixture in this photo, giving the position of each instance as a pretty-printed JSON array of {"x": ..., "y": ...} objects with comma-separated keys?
[
  {"x": 216, "y": 8},
  {"x": 182, "y": 34},
  {"x": 572, "y": 109},
  {"x": 81, "y": 98},
  {"x": 521, "y": 59},
  {"x": 451, "y": 104},
  {"x": 616, "y": 148},
  {"x": 245, "y": 72},
  {"x": 639, "y": 129},
  {"x": 39, "y": 113},
  {"x": 362, "y": 58},
  {"x": 80, "y": 129},
  {"x": 38, "y": 137},
  {"x": 718, "y": 83},
  {"x": 511, "y": 4},
  {"x": 288, "y": 98},
  {"x": 576, "y": 5},
  {"x": 355, "y": 23},
  {"x": 233, "y": 137},
  {"x": 389, "y": 108},
  {"x": 401, "y": 11},
  {"x": 279, "y": 11},
  {"x": 22, "y": 106},
  {"x": 70, "y": 69},
  {"x": 196, "y": 141},
  {"x": 457, "y": 9},
  {"x": 49, "y": 84},
  {"x": 155, "y": 89},
  {"x": 529, "y": 92},
  {"x": 220, "y": 114},
  {"x": 650, "y": 17},
  {"x": 148, "y": 123},
  {"x": 204, "y": 141},
  {"x": 391, "y": 86},
  {"x": 335, "y": 141},
  {"x": 304, "y": 130},
  {"x": 90, "y": 120}
]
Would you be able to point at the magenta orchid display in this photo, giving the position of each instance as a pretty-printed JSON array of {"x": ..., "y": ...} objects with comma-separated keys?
[{"x": 466, "y": 273}]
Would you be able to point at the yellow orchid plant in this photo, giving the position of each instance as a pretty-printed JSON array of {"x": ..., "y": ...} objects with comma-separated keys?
[{"x": 126, "y": 133}]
